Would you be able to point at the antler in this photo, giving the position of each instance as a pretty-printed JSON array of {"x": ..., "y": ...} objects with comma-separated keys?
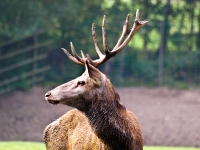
[{"x": 122, "y": 42}]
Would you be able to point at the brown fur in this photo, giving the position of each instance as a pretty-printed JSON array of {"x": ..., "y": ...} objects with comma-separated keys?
[
  {"x": 72, "y": 131},
  {"x": 100, "y": 122}
]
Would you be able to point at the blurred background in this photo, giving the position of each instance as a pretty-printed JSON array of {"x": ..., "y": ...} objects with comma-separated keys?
[{"x": 164, "y": 53}]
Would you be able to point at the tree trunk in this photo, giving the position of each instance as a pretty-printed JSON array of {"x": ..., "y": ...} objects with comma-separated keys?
[
  {"x": 164, "y": 30},
  {"x": 198, "y": 34},
  {"x": 166, "y": 24}
]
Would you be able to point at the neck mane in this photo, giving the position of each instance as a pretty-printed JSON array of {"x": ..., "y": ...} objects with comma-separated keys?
[{"x": 109, "y": 121}]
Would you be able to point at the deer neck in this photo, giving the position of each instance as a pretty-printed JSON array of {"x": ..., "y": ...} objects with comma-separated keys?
[{"x": 109, "y": 121}]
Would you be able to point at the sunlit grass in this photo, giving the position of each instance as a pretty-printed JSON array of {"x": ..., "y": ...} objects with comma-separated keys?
[
  {"x": 169, "y": 148},
  {"x": 18, "y": 145},
  {"x": 21, "y": 145}
]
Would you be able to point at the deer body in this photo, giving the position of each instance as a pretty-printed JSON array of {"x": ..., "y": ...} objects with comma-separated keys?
[
  {"x": 72, "y": 132},
  {"x": 100, "y": 121}
]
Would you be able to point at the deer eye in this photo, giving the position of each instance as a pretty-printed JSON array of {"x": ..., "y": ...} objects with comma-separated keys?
[{"x": 81, "y": 83}]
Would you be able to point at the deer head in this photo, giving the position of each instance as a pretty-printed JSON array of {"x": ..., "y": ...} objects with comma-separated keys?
[
  {"x": 80, "y": 91},
  {"x": 92, "y": 83}
]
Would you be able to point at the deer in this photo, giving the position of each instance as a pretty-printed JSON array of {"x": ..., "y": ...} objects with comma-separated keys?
[{"x": 98, "y": 121}]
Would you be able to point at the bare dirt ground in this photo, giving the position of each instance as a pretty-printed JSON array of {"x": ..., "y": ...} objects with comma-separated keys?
[{"x": 167, "y": 116}]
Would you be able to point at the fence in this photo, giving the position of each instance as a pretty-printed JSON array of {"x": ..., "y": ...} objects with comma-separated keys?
[{"x": 13, "y": 71}]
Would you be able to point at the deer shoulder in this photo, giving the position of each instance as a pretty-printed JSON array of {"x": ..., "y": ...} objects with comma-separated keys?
[
  {"x": 100, "y": 121},
  {"x": 72, "y": 131}
]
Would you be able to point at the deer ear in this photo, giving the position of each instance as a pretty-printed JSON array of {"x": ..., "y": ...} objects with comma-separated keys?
[{"x": 93, "y": 73}]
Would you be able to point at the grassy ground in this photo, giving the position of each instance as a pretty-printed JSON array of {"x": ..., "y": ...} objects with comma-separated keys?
[
  {"x": 40, "y": 146},
  {"x": 21, "y": 146},
  {"x": 169, "y": 148}
]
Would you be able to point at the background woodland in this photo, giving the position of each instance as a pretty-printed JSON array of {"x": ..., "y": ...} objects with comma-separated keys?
[{"x": 165, "y": 52}]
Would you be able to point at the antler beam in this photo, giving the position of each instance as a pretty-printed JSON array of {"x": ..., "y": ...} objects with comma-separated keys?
[{"x": 122, "y": 42}]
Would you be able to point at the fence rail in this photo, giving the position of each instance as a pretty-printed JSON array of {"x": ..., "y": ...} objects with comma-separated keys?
[
  {"x": 25, "y": 75},
  {"x": 34, "y": 74},
  {"x": 27, "y": 49}
]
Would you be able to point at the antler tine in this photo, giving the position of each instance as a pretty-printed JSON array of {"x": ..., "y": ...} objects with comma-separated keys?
[
  {"x": 96, "y": 42},
  {"x": 125, "y": 31},
  {"x": 71, "y": 57},
  {"x": 81, "y": 60},
  {"x": 90, "y": 60},
  {"x": 82, "y": 54},
  {"x": 137, "y": 15},
  {"x": 75, "y": 58},
  {"x": 105, "y": 45},
  {"x": 137, "y": 25}
]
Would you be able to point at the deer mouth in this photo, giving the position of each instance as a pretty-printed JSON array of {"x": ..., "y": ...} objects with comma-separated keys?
[{"x": 53, "y": 102}]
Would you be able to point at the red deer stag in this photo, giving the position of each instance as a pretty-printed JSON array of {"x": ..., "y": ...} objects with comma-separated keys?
[{"x": 100, "y": 121}]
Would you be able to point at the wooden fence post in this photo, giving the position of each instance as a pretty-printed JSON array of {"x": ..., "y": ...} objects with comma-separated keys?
[
  {"x": 161, "y": 49},
  {"x": 35, "y": 52}
]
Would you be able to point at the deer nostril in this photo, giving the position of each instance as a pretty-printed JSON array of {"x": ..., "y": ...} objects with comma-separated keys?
[{"x": 47, "y": 94}]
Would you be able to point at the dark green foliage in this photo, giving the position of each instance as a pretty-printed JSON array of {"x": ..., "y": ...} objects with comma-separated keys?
[{"x": 63, "y": 21}]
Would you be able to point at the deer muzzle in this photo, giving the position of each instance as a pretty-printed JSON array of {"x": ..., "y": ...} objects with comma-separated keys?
[{"x": 48, "y": 98}]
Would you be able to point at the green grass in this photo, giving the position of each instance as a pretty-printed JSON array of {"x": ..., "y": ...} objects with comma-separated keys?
[
  {"x": 169, "y": 148},
  {"x": 13, "y": 145}
]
